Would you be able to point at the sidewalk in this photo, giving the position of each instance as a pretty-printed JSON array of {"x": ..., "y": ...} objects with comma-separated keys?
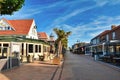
[
  {"x": 29, "y": 71},
  {"x": 38, "y": 70},
  {"x": 54, "y": 61},
  {"x": 81, "y": 67}
]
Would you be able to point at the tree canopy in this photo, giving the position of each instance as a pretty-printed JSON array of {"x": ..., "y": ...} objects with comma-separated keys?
[
  {"x": 61, "y": 34},
  {"x": 7, "y": 7}
]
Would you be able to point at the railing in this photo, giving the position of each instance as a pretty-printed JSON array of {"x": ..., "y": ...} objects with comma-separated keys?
[
  {"x": 3, "y": 62},
  {"x": 9, "y": 63}
]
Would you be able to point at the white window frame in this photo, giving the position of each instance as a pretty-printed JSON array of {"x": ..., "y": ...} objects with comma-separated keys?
[
  {"x": 113, "y": 35},
  {"x": 107, "y": 37}
]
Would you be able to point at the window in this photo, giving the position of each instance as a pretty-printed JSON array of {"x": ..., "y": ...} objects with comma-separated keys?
[
  {"x": 44, "y": 49},
  {"x": 107, "y": 37},
  {"x": 98, "y": 40},
  {"x": 36, "y": 48},
  {"x": 117, "y": 49},
  {"x": 33, "y": 31},
  {"x": 111, "y": 48},
  {"x": 39, "y": 48},
  {"x": 48, "y": 49},
  {"x": 22, "y": 50},
  {"x": 35, "y": 27},
  {"x": 6, "y": 28},
  {"x": 0, "y": 48},
  {"x": 94, "y": 41},
  {"x": 30, "y": 48},
  {"x": 5, "y": 45},
  {"x": 113, "y": 35},
  {"x": 1, "y": 28},
  {"x": 3, "y": 50}
]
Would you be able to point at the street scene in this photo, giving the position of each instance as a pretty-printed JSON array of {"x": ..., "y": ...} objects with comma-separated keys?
[
  {"x": 74, "y": 68},
  {"x": 59, "y": 40}
]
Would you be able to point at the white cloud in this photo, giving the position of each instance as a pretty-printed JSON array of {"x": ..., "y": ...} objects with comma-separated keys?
[
  {"x": 75, "y": 12},
  {"x": 107, "y": 20},
  {"x": 107, "y": 2},
  {"x": 22, "y": 14},
  {"x": 101, "y": 2},
  {"x": 27, "y": 12},
  {"x": 85, "y": 32},
  {"x": 115, "y": 2},
  {"x": 69, "y": 15}
]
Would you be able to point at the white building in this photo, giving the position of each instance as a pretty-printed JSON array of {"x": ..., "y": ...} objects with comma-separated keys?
[{"x": 23, "y": 33}]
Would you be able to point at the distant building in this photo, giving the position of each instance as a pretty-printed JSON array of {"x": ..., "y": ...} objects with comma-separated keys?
[
  {"x": 43, "y": 36},
  {"x": 79, "y": 48},
  {"x": 107, "y": 42},
  {"x": 52, "y": 43}
]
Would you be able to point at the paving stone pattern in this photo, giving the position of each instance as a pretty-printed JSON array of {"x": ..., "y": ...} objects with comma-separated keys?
[
  {"x": 29, "y": 71},
  {"x": 81, "y": 67}
]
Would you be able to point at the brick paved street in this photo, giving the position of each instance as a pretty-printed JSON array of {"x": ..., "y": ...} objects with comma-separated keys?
[
  {"x": 30, "y": 71},
  {"x": 81, "y": 67},
  {"x": 76, "y": 67}
]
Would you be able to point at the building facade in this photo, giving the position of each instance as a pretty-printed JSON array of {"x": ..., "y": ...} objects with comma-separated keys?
[
  {"x": 107, "y": 42},
  {"x": 20, "y": 37},
  {"x": 79, "y": 48}
]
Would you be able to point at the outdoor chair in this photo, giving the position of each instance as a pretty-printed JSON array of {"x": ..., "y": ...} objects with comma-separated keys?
[{"x": 116, "y": 59}]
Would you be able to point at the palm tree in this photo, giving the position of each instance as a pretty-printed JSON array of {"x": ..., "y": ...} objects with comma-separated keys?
[
  {"x": 61, "y": 40},
  {"x": 65, "y": 43}
]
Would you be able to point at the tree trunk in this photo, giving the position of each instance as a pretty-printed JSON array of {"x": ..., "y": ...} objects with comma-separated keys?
[{"x": 59, "y": 48}]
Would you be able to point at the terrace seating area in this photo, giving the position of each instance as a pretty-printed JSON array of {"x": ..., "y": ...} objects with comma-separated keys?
[{"x": 111, "y": 58}]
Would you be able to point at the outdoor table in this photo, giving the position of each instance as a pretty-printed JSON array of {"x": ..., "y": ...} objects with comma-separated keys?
[
  {"x": 106, "y": 58},
  {"x": 116, "y": 59}
]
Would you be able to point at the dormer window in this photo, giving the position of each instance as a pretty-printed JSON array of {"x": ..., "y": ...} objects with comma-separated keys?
[{"x": 6, "y": 28}]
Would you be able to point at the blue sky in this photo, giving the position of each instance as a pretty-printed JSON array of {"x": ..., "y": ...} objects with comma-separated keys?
[{"x": 85, "y": 18}]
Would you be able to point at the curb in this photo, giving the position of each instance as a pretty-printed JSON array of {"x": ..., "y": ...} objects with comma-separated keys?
[
  {"x": 106, "y": 64},
  {"x": 58, "y": 72},
  {"x": 109, "y": 65}
]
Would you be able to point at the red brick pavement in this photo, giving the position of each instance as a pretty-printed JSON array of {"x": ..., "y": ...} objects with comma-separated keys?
[
  {"x": 29, "y": 71},
  {"x": 81, "y": 67}
]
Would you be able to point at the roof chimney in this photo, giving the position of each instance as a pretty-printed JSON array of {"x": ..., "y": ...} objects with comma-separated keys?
[{"x": 113, "y": 26}]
